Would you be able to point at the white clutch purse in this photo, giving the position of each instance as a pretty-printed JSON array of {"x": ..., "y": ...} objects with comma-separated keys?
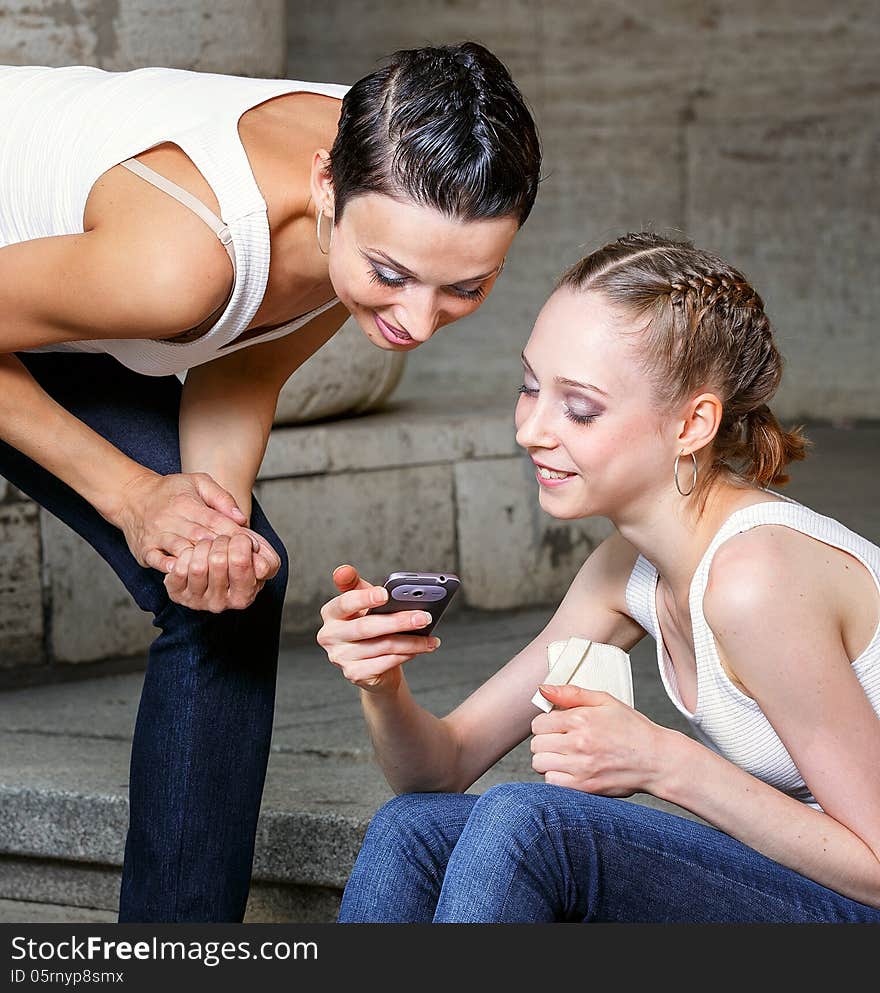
[{"x": 590, "y": 665}]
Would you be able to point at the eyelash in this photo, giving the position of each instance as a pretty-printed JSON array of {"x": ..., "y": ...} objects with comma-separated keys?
[
  {"x": 377, "y": 277},
  {"x": 582, "y": 419}
]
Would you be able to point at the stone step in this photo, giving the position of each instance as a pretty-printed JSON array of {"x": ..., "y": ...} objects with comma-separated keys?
[
  {"x": 63, "y": 786},
  {"x": 25, "y": 912}
]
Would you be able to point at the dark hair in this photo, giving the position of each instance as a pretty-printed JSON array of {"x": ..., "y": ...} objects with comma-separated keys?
[
  {"x": 706, "y": 328},
  {"x": 444, "y": 127}
]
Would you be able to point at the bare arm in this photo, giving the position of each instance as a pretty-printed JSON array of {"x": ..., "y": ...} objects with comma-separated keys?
[
  {"x": 228, "y": 404},
  {"x": 791, "y": 659},
  {"x": 420, "y": 752},
  {"x": 78, "y": 287}
]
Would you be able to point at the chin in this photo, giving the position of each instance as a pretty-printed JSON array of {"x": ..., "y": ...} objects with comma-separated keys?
[
  {"x": 558, "y": 510},
  {"x": 370, "y": 331}
]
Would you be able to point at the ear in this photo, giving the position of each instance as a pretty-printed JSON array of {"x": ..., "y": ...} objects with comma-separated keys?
[
  {"x": 702, "y": 418},
  {"x": 321, "y": 182}
]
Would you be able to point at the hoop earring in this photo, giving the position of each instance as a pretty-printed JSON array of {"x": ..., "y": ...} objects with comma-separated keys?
[
  {"x": 318, "y": 217},
  {"x": 675, "y": 474},
  {"x": 501, "y": 267}
]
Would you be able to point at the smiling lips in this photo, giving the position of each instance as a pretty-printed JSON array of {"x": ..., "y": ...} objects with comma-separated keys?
[
  {"x": 395, "y": 335},
  {"x": 551, "y": 477}
]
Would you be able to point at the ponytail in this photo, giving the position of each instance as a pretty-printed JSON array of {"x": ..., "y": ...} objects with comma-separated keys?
[{"x": 769, "y": 447}]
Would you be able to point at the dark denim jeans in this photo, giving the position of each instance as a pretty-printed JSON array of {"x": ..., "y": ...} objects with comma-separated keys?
[
  {"x": 201, "y": 741},
  {"x": 533, "y": 852}
]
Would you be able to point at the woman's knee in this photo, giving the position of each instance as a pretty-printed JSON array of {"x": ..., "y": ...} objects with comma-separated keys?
[
  {"x": 521, "y": 809},
  {"x": 513, "y": 801},
  {"x": 407, "y": 810},
  {"x": 411, "y": 817}
]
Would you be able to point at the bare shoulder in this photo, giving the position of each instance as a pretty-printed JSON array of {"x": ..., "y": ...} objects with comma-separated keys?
[
  {"x": 177, "y": 270},
  {"x": 766, "y": 564},
  {"x": 94, "y": 285}
]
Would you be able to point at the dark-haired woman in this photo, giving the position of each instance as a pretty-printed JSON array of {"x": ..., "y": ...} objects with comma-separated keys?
[
  {"x": 158, "y": 221},
  {"x": 644, "y": 400}
]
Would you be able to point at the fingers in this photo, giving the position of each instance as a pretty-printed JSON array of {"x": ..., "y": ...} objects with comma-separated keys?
[
  {"x": 556, "y": 778},
  {"x": 549, "y": 743},
  {"x": 569, "y": 695},
  {"x": 213, "y": 523},
  {"x": 544, "y": 762},
  {"x": 368, "y": 626},
  {"x": 197, "y": 573},
  {"x": 362, "y": 673},
  {"x": 355, "y": 602},
  {"x": 217, "y": 586},
  {"x": 215, "y": 575},
  {"x": 242, "y": 561},
  {"x": 243, "y": 582},
  {"x": 346, "y": 577},
  {"x": 556, "y": 721},
  {"x": 215, "y": 496},
  {"x": 167, "y": 549},
  {"x": 155, "y": 558},
  {"x": 267, "y": 561},
  {"x": 175, "y": 581},
  {"x": 373, "y": 649}
]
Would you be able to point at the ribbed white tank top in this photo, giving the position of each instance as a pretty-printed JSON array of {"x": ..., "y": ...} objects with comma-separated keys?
[
  {"x": 725, "y": 719},
  {"x": 63, "y": 128}
]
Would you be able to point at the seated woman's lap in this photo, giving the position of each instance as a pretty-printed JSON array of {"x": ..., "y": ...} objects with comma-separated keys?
[{"x": 529, "y": 852}]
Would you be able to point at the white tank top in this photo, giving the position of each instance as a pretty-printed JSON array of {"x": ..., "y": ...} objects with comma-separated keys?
[
  {"x": 63, "y": 128},
  {"x": 726, "y": 719}
]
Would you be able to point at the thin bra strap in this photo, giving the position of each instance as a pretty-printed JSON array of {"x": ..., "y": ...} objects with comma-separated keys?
[{"x": 188, "y": 200}]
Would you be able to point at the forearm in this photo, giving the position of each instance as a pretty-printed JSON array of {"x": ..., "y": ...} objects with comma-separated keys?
[
  {"x": 32, "y": 422},
  {"x": 224, "y": 430},
  {"x": 415, "y": 750},
  {"x": 790, "y": 832}
]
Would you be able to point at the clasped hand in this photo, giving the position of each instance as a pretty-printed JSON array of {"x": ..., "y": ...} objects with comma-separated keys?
[
  {"x": 594, "y": 743},
  {"x": 188, "y": 527}
]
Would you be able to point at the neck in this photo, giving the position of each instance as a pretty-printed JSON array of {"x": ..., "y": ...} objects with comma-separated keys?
[{"x": 668, "y": 532}]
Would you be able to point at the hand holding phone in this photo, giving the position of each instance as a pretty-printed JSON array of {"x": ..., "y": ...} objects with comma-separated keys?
[
  {"x": 428, "y": 591},
  {"x": 370, "y": 651}
]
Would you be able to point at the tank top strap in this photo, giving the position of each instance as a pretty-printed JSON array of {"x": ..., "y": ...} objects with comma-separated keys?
[
  {"x": 215, "y": 223},
  {"x": 640, "y": 592}
]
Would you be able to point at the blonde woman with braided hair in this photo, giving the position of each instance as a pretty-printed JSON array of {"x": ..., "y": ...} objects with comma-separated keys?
[{"x": 647, "y": 380}]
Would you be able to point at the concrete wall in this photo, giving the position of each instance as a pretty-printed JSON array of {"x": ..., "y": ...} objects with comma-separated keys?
[
  {"x": 236, "y": 36},
  {"x": 751, "y": 126}
]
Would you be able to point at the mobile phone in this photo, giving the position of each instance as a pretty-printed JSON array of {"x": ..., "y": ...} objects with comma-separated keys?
[{"x": 428, "y": 591}]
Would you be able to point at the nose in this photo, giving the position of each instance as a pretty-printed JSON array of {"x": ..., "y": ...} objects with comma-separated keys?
[
  {"x": 533, "y": 424},
  {"x": 419, "y": 314}
]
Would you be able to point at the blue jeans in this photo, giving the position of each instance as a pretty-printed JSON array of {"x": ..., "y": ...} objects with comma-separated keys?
[
  {"x": 201, "y": 740},
  {"x": 532, "y": 853}
]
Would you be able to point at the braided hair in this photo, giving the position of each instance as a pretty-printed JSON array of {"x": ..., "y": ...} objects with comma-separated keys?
[{"x": 702, "y": 326}]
